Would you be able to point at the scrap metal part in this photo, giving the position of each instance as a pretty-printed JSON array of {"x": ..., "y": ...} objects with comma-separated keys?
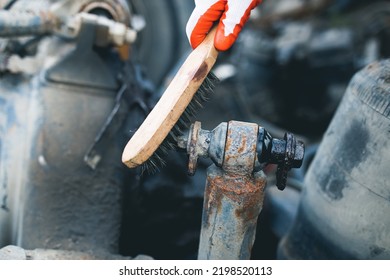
[
  {"x": 241, "y": 148},
  {"x": 234, "y": 192},
  {"x": 231, "y": 207}
]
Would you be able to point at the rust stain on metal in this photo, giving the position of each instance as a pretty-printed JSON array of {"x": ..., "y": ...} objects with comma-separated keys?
[
  {"x": 251, "y": 203},
  {"x": 236, "y": 186},
  {"x": 229, "y": 142},
  {"x": 213, "y": 200},
  {"x": 192, "y": 148},
  {"x": 241, "y": 149},
  {"x": 228, "y": 145},
  {"x": 193, "y": 159},
  {"x": 202, "y": 72},
  {"x": 250, "y": 209},
  {"x": 246, "y": 192}
]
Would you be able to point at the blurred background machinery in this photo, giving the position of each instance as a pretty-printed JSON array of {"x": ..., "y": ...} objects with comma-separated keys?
[{"x": 74, "y": 88}]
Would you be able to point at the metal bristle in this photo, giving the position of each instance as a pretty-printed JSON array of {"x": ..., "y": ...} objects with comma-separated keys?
[
  {"x": 156, "y": 161},
  {"x": 177, "y": 130}
]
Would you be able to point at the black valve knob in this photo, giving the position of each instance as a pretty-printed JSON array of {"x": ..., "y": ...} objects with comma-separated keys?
[{"x": 287, "y": 153}]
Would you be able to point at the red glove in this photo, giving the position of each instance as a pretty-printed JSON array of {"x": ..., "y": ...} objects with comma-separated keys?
[{"x": 231, "y": 14}]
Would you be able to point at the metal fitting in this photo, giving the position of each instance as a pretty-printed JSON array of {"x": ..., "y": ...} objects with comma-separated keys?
[
  {"x": 204, "y": 143},
  {"x": 108, "y": 31},
  {"x": 287, "y": 153},
  {"x": 118, "y": 10},
  {"x": 242, "y": 148}
]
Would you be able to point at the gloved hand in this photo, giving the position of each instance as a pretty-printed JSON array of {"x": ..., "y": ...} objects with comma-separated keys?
[{"x": 231, "y": 14}]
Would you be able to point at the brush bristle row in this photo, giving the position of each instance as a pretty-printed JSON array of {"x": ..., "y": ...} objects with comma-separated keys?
[{"x": 156, "y": 161}]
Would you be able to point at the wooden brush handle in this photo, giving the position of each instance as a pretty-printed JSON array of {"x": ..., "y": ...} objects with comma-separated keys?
[{"x": 172, "y": 104}]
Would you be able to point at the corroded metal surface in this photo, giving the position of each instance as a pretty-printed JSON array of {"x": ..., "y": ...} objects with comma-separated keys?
[
  {"x": 234, "y": 192},
  {"x": 192, "y": 148},
  {"x": 240, "y": 147},
  {"x": 230, "y": 210}
]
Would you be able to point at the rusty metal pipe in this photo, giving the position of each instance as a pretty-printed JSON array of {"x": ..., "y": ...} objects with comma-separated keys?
[
  {"x": 230, "y": 210},
  {"x": 233, "y": 196},
  {"x": 234, "y": 191}
]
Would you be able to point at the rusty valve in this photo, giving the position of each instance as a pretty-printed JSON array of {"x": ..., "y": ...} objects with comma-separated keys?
[{"x": 241, "y": 147}]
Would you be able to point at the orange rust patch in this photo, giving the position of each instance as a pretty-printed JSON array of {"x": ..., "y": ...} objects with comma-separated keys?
[
  {"x": 227, "y": 148},
  {"x": 236, "y": 186},
  {"x": 244, "y": 191}
]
